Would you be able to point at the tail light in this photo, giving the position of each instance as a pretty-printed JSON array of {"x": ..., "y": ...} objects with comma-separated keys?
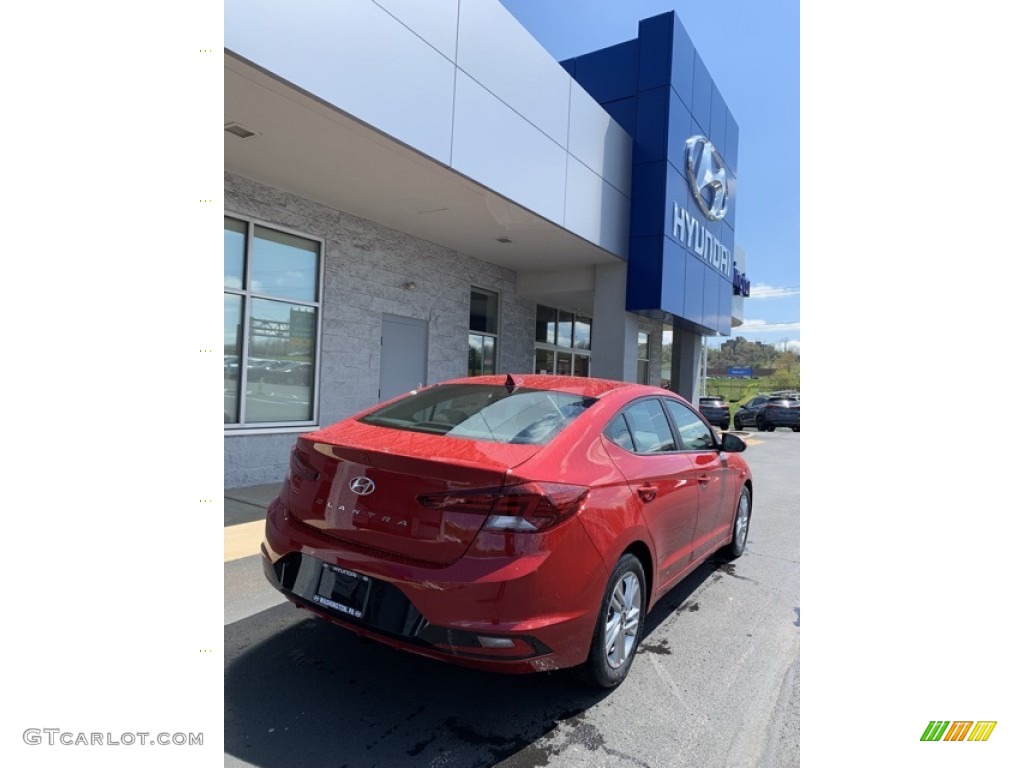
[
  {"x": 299, "y": 465},
  {"x": 522, "y": 508}
]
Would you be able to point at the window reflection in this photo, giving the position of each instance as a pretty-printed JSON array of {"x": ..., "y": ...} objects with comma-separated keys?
[
  {"x": 546, "y": 320},
  {"x": 232, "y": 355},
  {"x": 544, "y": 361},
  {"x": 234, "y": 252},
  {"x": 481, "y": 354},
  {"x": 280, "y": 365},
  {"x": 581, "y": 337},
  {"x": 284, "y": 265}
]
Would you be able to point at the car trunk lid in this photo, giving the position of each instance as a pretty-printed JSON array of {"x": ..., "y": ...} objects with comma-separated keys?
[{"x": 362, "y": 484}]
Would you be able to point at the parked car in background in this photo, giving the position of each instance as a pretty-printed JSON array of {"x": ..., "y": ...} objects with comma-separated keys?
[
  {"x": 768, "y": 412},
  {"x": 519, "y": 524},
  {"x": 715, "y": 410},
  {"x": 280, "y": 371}
]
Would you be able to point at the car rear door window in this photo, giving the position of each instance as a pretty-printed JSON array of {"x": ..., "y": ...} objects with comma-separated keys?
[
  {"x": 649, "y": 427},
  {"x": 693, "y": 433},
  {"x": 618, "y": 433}
]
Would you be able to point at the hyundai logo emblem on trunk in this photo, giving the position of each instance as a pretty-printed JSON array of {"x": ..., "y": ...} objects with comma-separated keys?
[
  {"x": 362, "y": 486},
  {"x": 706, "y": 170}
]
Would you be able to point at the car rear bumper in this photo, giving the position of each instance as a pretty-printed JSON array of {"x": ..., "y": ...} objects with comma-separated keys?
[
  {"x": 717, "y": 418},
  {"x": 507, "y": 613}
]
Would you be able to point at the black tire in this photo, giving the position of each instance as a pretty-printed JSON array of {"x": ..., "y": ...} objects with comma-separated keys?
[
  {"x": 796, "y": 429},
  {"x": 771, "y": 428},
  {"x": 740, "y": 526},
  {"x": 736, "y": 423},
  {"x": 600, "y": 670},
  {"x": 760, "y": 424}
]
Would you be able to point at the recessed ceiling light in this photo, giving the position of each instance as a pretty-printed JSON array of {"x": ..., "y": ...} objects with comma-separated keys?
[{"x": 238, "y": 130}]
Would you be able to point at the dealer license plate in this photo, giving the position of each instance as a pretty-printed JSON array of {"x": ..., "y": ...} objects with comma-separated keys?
[{"x": 343, "y": 591}]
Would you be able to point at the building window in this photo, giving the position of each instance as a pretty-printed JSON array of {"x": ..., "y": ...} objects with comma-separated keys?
[
  {"x": 563, "y": 342},
  {"x": 483, "y": 332},
  {"x": 643, "y": 358},
  {"x": 272, "y": 284}
]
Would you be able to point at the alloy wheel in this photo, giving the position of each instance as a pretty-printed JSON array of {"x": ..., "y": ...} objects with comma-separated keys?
[{"x": 622, "y": 620}]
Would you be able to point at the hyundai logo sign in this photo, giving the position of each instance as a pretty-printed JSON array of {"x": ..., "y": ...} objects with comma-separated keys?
[
  {"x": 706, "y": 170},
  {"x": 362, "y": 486}
]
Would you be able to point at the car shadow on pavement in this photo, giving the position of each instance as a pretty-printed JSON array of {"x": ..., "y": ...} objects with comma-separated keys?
[
  {"x": 300, "y": 691},
  {"x": 312, "y": 694}
]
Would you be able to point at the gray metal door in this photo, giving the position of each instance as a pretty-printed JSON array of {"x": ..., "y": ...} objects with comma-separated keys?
[{"x": 403, "y": 355}]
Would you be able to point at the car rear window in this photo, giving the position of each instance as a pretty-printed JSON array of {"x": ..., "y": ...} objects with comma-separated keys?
[
  {"x": 714, "y": 402},
  {"x": 482, "y": 412}
]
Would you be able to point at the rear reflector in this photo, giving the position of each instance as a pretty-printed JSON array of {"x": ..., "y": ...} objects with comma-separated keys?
[
  {"x": 496, "y": 642},
  {"x": 523, "y": 508}
]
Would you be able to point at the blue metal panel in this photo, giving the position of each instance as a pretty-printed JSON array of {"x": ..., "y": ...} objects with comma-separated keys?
[
  {"x": 655, "y": 51},
  {"x": 677, "y": 190},
  {"x": 732, "y": 143},
  {"x": 569, "y": 65},
  {"x": 680, "y": 128},
  {"x": 649, "y": 204},
  {"x": 693, "y": 307},
  {"x": 650, "y": 142},
  {"x": 702, "y": 86},
  {"x": 712, "y": 284},
  {"x": 730, "y": 212},
  {"x": 643, "y": 277},
  {"x": 683, "y": 54},
  {"x": 718, "y": 119},
  {"x": 609, "y": 74},
  {"x": 674, "y": 279},
  {"x": 623, "y": 112},
  {"x": 725, "y": 307},
  {"x": 728, "y": 238}
]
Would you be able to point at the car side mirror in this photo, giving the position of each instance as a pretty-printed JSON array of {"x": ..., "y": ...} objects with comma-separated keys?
[{"x": 732, "y": 444}]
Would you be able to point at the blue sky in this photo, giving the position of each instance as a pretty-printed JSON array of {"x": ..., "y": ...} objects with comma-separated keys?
[{"x": 752, "y": 49}]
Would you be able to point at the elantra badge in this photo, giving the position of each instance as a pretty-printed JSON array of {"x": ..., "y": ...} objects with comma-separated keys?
[{"x": 362, "y": 486}]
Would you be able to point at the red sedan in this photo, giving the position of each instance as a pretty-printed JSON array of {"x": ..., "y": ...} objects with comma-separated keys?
[{"x": 516, "y": 524}]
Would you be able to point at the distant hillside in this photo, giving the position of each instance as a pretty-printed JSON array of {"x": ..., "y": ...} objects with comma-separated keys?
[{"x": 765, "y": 359}]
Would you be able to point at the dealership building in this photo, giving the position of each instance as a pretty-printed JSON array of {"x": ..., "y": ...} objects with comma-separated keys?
[{"x": 418, "y": 191}]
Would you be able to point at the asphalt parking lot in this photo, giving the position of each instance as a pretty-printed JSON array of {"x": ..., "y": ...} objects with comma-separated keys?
[{"x": 716, "y": 681}]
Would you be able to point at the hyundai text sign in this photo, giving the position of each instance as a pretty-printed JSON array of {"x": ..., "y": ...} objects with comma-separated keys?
[
  {"x": 695, "y": 236},
  {"x": 741, "y": 373}
]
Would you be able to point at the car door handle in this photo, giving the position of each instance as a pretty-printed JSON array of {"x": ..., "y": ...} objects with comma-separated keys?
[
  {"x": 647, "y": 492},
  {"x": 703, "y": 479}
]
